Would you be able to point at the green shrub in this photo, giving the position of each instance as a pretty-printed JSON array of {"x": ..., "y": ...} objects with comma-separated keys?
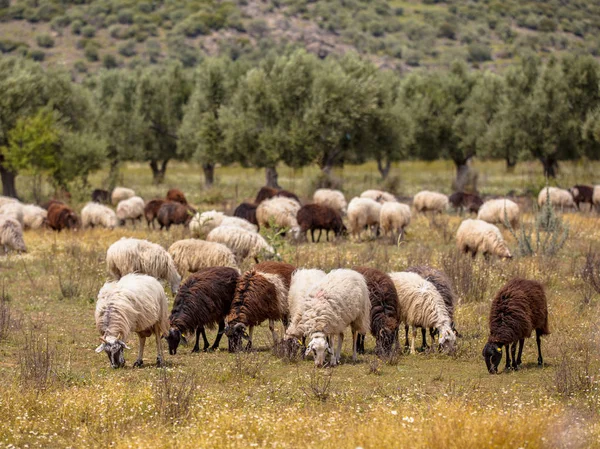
[
  {"x": 398, "y": 11},
  {"x": 258, "y": 27},
  {"x": 412, "y": 58},
  {"x": 547, "y": 25},
  {"x": 91, "y": 51},
  {"x": 127, "y": 49},
  {"x": 76, "y": 26},
  {"x": 44, "y": 41},
  {"x": 4, "y": 4},
  {"x": 145, "y": 7},
  {"x": 31, "y": 15},
  {"x": 125, "y": 17},
  {"x": 37, "y": 55},
  {"x": 479, "y": 53},
  {"x": 153, "y": 50},
  {"x": 88, "y": 31},
  {"x": 447, "y": 30},
  {"x": 7, "y": 46},
  {"x": 60, "y": 22},
  {"x": 80, "y": 66},
  {"x": 110, "y": 19},
  {"x": 109, "y": 61},
  {"x": 16, "y": 12},
  {"x": 47, "y": 11}
]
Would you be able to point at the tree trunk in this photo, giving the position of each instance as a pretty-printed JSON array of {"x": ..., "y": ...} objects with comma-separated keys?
[
  {"x": 510, "y": 165},
  {"x": 8, "y": 181},
  {"x": 271, "y": 177},
  {"x": 384, "y": 169},
  {"x": 462, "y": 176},
  {"x": 550, "y": 166},
  {"x": 158, "y": 173},
  {"x": 209, "y": 174},
  {"x": 113, "y": 174}
]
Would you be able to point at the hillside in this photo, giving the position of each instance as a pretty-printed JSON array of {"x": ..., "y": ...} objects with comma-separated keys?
[{"x": 397, "y": 34}]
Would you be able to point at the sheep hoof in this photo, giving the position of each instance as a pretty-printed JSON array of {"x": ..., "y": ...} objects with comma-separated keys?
[
  {"x": 138, "y": 364},
  {"x": 516, "y": 368},
  {"x": 195, "y": 350},
  {"x": 159, "y": 363}
]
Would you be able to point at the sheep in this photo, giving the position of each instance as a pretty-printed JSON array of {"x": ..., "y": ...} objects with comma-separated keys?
[
  {"x": 266, "y": 193},
  {"x": 426, "y": 201},
  {"x": 100, "y": 196},
  {"x": 362, "y": 213},
  {"x": 247, "y": 211},
  {"x": 7, "y": 199},
  {"x": 316, "y": 216},
  {"x": 421, "y": 305},
  {"x": 559, "y": 198},
  {"x": 141, "y": 256},
  {"x": 191, "y": 255},
  {"x": 462, "y": 200},
  {"x": 132, "y": 209},
  {"x": 261, "y": 294},
  {"x": 121, "y": 193},
  {"x": 384, "y": 311},
  {"x": 241, "y": 242},
  {"x": 61, "y": 216},
  {"x": 205, "y": 222},
  {"x": 171, "y": 213},
  {"x": 281, "y": 211},
  {"x": 477, "y": 236},
  {"x": 378, "y": 195},
  {"x": 151, "y": 210},
  {"x": 518, "y": 308},
  {"x": 582, "y": 194},
  {"x": 13, "y": 210},
  {"x": 11, "y": 235},
  {"x": 203, "y": 300},
  {"x": 135, "y": 303},
  {"x": 499, "y": 211},
  {"x": 332, "y": 198},
  {"x": 340, "y": 300},
  {"x": 34, "y": 217},
  {"x": 94, "y": 214},
  {"x": 177, "y": 196},
  {"x": 393, "y": 218},
  {"x": 596, "y": 196}
]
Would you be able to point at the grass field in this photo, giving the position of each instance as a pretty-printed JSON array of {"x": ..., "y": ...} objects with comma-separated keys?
[{"x": 55, "y": 391}]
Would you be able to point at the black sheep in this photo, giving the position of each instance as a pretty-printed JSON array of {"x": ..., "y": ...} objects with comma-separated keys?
[
  {"x": 317, "y": 216},
  {"x": 269, "y": 192},
  {"x": 582, "y": 194},
  {"x": 467, "y": 201},
  {"x": 101, "y": 196},
  {"x": 247, "y": 211}
]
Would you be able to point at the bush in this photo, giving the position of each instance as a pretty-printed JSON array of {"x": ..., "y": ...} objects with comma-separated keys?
[
  {"x": 153, "y": 50},
  {"x": 258, "y": 27},
  {"x": 31, "y": 15},
  {"x": 145, "y": 8},
  {"x": 88, "y": 31},
  {"x": 60, "y": 22},
  {"x": 76, "y": 26},
  {"x": 412, "y": 58},
  {"x": 37, "y": 55},
  {"x": 447, "y": 30},
  {"x": 4, "y": 4},
  {"x": 127, "y": 49},
  {"x": 109, "y": 61},
  {"x": 7, "y": 46},
  {"x": 47, "y": 11},
  {"x": 80, "y": 66},
  {"x": 125, "y": 17},
  {"x": 91, "y": 51},
  {"x": 479, "y": 53},
  {"x": 45, "y": 41}
]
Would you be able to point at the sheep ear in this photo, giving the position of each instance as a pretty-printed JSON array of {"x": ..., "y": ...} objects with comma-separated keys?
[
  {"x": 122, "y": 343},
  {"x": 100, "y": 348}
]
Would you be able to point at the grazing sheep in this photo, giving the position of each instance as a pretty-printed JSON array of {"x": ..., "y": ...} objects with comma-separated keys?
[
  {"x": 384, "y": 311},
  {"x": 281, "y": 211},
  {"x": 203, "y": 300},
  {"x": 121, "y": 193},
  {"x": 61, "y": 216},
  {"x": 427, "y": 201},
  {"x": 34, "y": 217},
  {"x": 518, "y": 308},
  {"x": 311, "y": 217},
  {"x": 266, "y": 193},
  {"x": 498, "y": 211},
  {"x": 241, "y": 242},
  {"x": 132, "y": 209},
  {"x": 135, "y": 303},
  {"x": 151, "y": 210},
  {"x": 582, "y": 194},
  {"x": 261, "y": 294},
  {"x": 378, "y": 195},
  {"x": 596, "y": 196},
  {"x": 11, "y": 235},
  {"x": 7, "y": 199},
  {"x": 100, "y": 196},
  {"x": 465, "y": 201},
  {"x": 141, "y": 256},
  {"x": 421, "y": 305},
  {"x": 13, "y": 210},
  {"x": 205, "y": 222},
  {"x": 247, "y": 211},
  {"x": 340, "y": 300},
  {"x": 363, "y": 213},
  {"x": 477, "y": 236},
  {"x": 332, "y": 198},
  {"x": 172, "y": 213},
  {"x": 393, "y": 218},
  {"x": 177, "y": 196},
  {"x": 95, "y": 214},
  {"x": 559, "y": 198},
  {"x": 191, "y": 255}
]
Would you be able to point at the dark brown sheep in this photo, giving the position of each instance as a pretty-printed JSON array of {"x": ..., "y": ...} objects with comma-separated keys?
[
  {"x": 384, "y": 311},
  {"x": 268, "y": 192},
  {"x": 518, "y": 309},
  {"x": 61, "y": 216},
  {"x": 261, "y": 294},
  {"x": 101, "y": 196},
  {"x": 582, "y": 194},
  {"x": 317, "y": 216},
  {"x": 247, "y": 211},
  {"x": 203, "y": 300},
  {"x": 465, "y": 201},
  {"x": 151, "y": 210},
  {"x": 177, "y": 196},
  {"x": 171, "y": 213}
]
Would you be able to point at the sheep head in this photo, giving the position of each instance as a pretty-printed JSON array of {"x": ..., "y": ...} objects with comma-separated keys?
[
  {"x": 174, "y": 338},
  {"x": 385, "y": 341},
  {"x": 448, "y": 340},
  {"x": 114, "y": 350},
  {"x": 319, "y": 348},
  {"x": 236, "y": 333},
  {"x": 492, "y": 353}
]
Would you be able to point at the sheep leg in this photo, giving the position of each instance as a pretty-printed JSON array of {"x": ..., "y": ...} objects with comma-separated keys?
[
  {"x": 538, "y": 340},
  {"x": 204, "y": 339},
  {"x": 413, "y": 339},
  {"x": 197, "y": 345},
  {"x": 249, "y": 345},
  {"x": 507, "y": 366},
  {"x": 354, "y": 341},
  {"x": 319, "y": 237},
  {"x": 312, "y": 235},
  {"x": 140, "y": 360},
  {"x": 424, "y": 337},
  {"x": 513, "y": 351},
  {"x": 219, "y": 336},
  {"x": 327, "y": 234},
  {"x": 272, "y": 329},
  {"x": 406, "y": 343},
  {"x": 159, "y": 356},
  {"x": 521, "y": 342},
  {"x": 338, "y": 353}
]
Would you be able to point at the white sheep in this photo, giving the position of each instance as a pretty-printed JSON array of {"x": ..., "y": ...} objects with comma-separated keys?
[
  {"x": 393, "y": 218},
  {"x": 421, "y": 305},
  {"x": 498, "y": 211},
  {"x": 191, "y": 255},
  {"x": 202, "y": 223},
  {"x": 121, "y": 193},
  {"x": 34, "y": 217},
  {"x": 426, "y": 200},
  {"x": 281, "y": 211},
  {"x": 7, "y": 199},
  {"x": 13, "y": 209},
  {"x": 241, "y": 242},
  {"x": 340, "y": 300},
  {"x": 11, "y": 234},
  {"x": 332, "y": 198},
  {"x": 128, "y": 255},
  {"x": 595, "y": 197},
  {"x": 132, "y": 209},
  {"x": 134, "y": 303},
  {"x": 362, "y": 213},
  {"x": 96, "y": 214},
  {"x": 303, "y": 281},
  {"x": 378, "y": 195},
  {"x": 559, "y": 198},
  {"x": 477, "y": 236}
]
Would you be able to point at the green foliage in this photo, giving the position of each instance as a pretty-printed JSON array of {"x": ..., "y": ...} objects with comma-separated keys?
[
  {"x": 91, "y": 51},
  {"x": 127, "y": 49},
  {"x": 45, "y": 41},
  {"x": 36, "y": 55},
  {"x": 80, "y": 66},
  {"x": 88, "y": 31},
  {"x": 109, "y": 61}
]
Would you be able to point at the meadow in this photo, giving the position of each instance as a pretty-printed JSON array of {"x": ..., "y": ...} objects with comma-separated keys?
[{"x": 55, "y": 391}]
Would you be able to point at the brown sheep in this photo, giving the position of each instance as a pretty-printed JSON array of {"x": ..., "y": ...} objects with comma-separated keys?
[
  {"x": 518, "y": 308},
  {"x": 61, "y": 216},
  {"x": 247, "y": 211},
  {"x": 385, "y": 311},
  {"x": 465, "y": 201},
  {"x": 268, "y": 192},
  {"x": 101, "y": 196},
  {"x": 317, "y": 216},
  {"x": 177, "y": 196},
  {"x": 261, "y": 294},
  {"x": 203, "y": 300},
  {"x": 583, "y": 194},
  {"x": 151, "y": 210},
  {"x": 171, "y": 213}
]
